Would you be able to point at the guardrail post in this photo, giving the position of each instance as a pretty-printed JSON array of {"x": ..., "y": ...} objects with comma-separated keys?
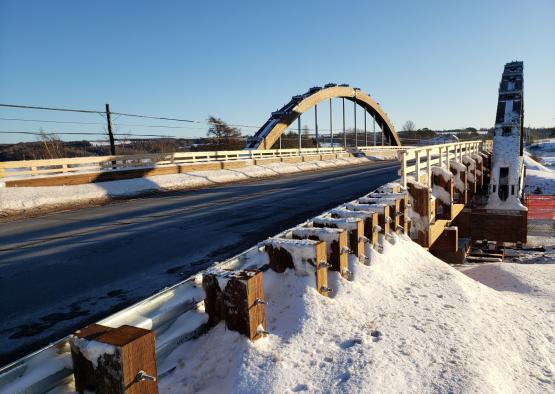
[
  {"x": 370, "y": 228},
  {"x": 354, "y": 227},
  {"x": 337, "y": 245},
  {"x": 114, "y": 360},
  {"x": 238, "y": 298},
  {"x": 286, "y": 253}
]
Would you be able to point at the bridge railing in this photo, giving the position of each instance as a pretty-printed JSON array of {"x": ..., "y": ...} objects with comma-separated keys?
[
  {"x": 418, "y": 161},
  {"x": 65, "y": 166}
]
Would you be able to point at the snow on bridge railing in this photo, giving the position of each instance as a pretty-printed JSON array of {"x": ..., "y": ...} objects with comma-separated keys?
[
  {"x": 416, "y": 161},
  {"x": 65, "y": 166}
]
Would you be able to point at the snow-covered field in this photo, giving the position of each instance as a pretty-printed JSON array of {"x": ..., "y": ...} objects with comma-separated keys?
[
  {"x": 27, "y": 198},
  {"x": 407, "y": 323}
]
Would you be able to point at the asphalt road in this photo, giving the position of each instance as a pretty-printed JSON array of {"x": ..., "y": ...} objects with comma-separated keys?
[{"x": 62, "y": 271}]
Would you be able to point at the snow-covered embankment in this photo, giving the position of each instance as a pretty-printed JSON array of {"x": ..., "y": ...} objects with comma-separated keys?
[{"x": 407, "y": 323}]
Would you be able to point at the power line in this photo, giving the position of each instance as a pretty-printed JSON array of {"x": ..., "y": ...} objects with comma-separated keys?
[
  {"x": 85, "y": 133},
  {"x": 156, "y": 117},
  {"x": 52, "y": 121},
  {"x": 86, "y": 111}
]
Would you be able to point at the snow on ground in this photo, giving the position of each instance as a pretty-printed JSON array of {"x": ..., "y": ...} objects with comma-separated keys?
[
  {"x": 539, "y": 178},
  {"x": 25, "y": 198},
  {"x": 407, "y": 323},
  {"x": 545, "y": 151}
]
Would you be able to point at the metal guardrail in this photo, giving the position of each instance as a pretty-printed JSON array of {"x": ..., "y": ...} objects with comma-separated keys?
[{"x": 10, "y": 169}]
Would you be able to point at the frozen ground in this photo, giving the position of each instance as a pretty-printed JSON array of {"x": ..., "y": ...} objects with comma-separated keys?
[
  {"x": 407, "y": 323},
  {"x": 17, "y": 200}
]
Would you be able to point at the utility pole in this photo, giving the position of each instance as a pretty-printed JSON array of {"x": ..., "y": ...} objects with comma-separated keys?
[{"x": 110, "y": 134}]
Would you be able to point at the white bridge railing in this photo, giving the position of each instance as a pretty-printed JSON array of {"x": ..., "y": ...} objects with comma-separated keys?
[
  {"x": 416, "y": 161},
  {"x": 65, "y": 166}
]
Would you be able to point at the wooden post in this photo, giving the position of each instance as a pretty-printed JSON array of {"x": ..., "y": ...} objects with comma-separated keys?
[
  {"x": 245, "y": 304},
  {"x": 470, "y": 175},
  {"x": 424, "y": 212},
  {"x": 281, "y": 253},
  {"x": 241, "y": 301},
  {"x": 337, "y": 245},
  {"x": 123, "y": 360},
  {"x": 354, "y": 227},
  {"x": 370, "y": 219},
  {"x": 382, "y": 208},
  {"x": 401, "y": 208},
  {"x": 83, "y": 369},
  {"x": 444, "y": 209},
  {"x": 459, "y": 182}
]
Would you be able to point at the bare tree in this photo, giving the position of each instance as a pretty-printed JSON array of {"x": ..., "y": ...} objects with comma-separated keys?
[
  {"x": 224, "y": 137},
  {"x": 409, "y": 126},
  {"x": 52, "y": 146}
]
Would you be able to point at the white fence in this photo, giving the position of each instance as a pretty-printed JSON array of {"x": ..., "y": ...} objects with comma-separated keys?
[{"x": 414, "y": 161}]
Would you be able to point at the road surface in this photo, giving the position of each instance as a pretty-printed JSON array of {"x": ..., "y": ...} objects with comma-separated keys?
[{"x": 62, "y": 271}]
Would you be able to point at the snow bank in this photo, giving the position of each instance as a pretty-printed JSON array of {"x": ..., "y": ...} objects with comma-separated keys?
[
  {"x": 24, "y": 198},
  {"x": 408, "y": 323},
  {"x": 539, "y": 179}
]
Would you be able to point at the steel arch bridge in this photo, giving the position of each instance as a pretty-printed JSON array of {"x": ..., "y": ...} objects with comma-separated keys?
[{"x": 280, "y": 120}]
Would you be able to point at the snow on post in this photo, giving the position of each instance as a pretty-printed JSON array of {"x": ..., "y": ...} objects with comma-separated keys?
[
  {"x": 381, "y": 208},
  {"x": 336, "y": 241},
  {"x": 470, "y": 164},
  {"x": 114, "y": 360},
  {"x": 403, "y": 197},
  {"x": 370, "y": 219},
  {"x": 442, "y": 190},
  {"x": 307, "y": 257},
  {"x": 353, "y": 224},
  {"x": 422, "y": 212},
  {"x": 479, "y": 169},
  {"x": 236, "y": 297},
  {"x": 459, "y": 181}
]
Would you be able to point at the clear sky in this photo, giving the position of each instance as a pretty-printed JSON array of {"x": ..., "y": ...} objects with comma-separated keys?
[{"x": 437, "y": 63}]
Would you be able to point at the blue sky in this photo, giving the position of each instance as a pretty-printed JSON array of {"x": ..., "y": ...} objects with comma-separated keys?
[{"x": 437, "y": 63}]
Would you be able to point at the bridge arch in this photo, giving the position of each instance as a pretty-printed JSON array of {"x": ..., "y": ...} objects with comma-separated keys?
[{"x": 280, "y": 120}]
